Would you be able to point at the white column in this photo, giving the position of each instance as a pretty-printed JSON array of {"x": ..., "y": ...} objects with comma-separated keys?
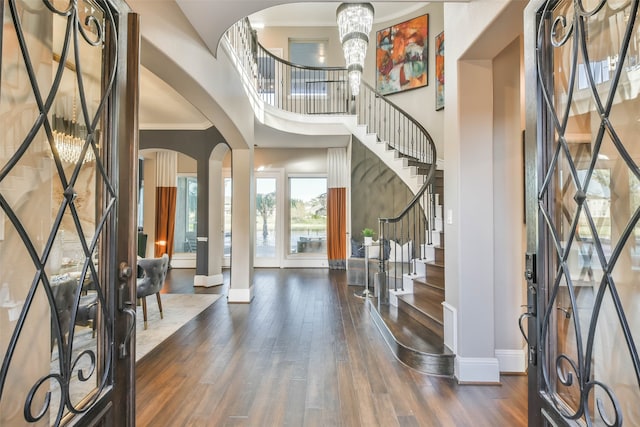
[
  {"x": 243, "y": 223},
  {"x": 475, "y": 359}
]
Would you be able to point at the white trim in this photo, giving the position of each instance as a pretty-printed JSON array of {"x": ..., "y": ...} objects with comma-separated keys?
[
  {"x": 483, "y": 370},
  {"x": 393, "y": 296},
  {"x": 183, "y": 262},
  {"x": 208, "y": 281},
  {"x": 240, "y": 295},
  {"x": 293, "y": 261},
  {"x": 450, "y": 314},
  {"x": 512, "y": 360}
]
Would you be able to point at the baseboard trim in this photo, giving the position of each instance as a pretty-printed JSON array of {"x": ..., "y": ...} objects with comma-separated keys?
[
  {"x": 240, "y": 296},
  {"x": 208, "y": 281},
  {"x": 477, "y": 370},
  {"x": 450, "y": 314},
  {"x": 512, "y": 361}
]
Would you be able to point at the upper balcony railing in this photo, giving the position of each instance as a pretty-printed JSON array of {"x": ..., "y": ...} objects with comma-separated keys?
[
  {"x": 286, "y": 86},
  {"x": 325, "y": 90}
]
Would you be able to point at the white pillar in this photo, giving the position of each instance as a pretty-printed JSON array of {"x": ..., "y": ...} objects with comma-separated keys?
[
  {"x": 243, "y": 223},
  {"x": 475, "y": 359}
]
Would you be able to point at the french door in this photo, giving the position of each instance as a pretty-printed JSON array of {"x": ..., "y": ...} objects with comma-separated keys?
[
  {"x": 269, "y": 219},
  {"x": 583, "y": 265},
  {"x": 68, "y": 142}
]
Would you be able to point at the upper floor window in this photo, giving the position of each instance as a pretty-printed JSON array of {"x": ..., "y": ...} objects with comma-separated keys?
[{"x": 311, "y": 53}]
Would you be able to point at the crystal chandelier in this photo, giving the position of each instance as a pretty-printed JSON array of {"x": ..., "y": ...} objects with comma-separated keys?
[
  {"x": 354, "y": 24},
  {"x": 69, "y": 138}
]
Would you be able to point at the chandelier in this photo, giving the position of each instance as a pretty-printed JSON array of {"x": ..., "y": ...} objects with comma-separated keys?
[
  {"x": 354, "y": 24},
  {"x": 70, "y": 137}
]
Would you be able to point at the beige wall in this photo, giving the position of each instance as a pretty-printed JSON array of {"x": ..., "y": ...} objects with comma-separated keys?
[
  {"x": 187, "y": 164},
  {"x": 508, "y": 197},
  {"x": 278, "y": 37},
  {"x": 292, "y": 160},
  {"x": 419, "y": 103}
]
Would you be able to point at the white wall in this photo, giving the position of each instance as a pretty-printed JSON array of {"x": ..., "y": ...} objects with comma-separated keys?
[
  {"x": 508, "y": 207},
  {"x": 489, "y": 27},
  {"x": 173, "y": 50}
]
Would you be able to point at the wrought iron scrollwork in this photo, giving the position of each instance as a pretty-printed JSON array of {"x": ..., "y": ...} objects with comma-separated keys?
[
  {"x": 88, "y": 22},
  {"x": 568, "y": 28}
]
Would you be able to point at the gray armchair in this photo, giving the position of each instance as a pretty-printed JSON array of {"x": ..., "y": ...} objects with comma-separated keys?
[
  {"x": 151, "y": 282},
  {"x": 64, "y": 290}
]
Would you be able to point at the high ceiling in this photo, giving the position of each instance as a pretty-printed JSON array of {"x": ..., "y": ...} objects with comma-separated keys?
[{"x": 161, "y": 107}]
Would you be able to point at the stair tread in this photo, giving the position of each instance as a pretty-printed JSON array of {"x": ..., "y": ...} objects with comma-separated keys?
[
  {"x": 426, "y": 304},
  {"x": 410, "y": 333},
  {"x": 425, "y": 282}
]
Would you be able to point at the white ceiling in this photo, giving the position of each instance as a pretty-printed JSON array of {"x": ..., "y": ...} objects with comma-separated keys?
[
  {"x": 161, "y": 107},
  {"x": 323, "y": 14}
]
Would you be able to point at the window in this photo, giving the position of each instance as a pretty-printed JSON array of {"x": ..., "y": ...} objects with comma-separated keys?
[
  {"x": 308, "y": 218},
  {"x": 311, "y": 53},
  {"x": 227, "y": 217},
  {"x": 186, "y": 215}
]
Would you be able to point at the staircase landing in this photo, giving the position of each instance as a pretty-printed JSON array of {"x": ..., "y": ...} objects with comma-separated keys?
[{"x": 412, "y": 343}]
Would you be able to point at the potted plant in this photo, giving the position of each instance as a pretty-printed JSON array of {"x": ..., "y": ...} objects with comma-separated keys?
[{"x": 368, "y": 236}]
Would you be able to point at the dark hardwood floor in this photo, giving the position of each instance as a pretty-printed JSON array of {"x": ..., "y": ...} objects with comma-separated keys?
[{"x": 304, "y": 353}]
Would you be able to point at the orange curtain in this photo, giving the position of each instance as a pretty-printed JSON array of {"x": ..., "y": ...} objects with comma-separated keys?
[
  {"x": 165, "y": 220},
  {"x": 337, "y": 228}
]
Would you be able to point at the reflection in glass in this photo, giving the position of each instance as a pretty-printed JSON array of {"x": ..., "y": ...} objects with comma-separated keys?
[
  {"x": 186, "y": 215},
  {"x": 308, "y": 218},
  {"x": 227, "y": 217},
  {"x": 266, "y": 217},
  {"x": 591, "y": 199},
  {"x": 55, "y": 205}
]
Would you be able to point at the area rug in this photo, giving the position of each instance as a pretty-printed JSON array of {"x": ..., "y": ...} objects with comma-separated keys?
[{"x": 178, "y": 309}]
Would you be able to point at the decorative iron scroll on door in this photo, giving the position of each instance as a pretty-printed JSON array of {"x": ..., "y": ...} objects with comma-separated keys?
[
  {"x": 589, "y": 202},
  {"x": 57, "y": 200}
]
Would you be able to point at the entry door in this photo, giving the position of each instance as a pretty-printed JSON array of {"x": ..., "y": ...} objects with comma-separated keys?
[
  {"x": 67, "y": 155},
  {"x": 584, "y": 237},
  {"x": 268, "y": 235}
]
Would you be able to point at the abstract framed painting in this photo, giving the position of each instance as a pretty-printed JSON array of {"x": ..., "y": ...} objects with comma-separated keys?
[
  {"x": 439, "y": 49},
  {"x": 402, "y": 56}
]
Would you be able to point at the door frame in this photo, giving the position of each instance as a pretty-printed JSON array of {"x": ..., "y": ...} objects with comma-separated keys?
[{"x": 117, "y": 406}]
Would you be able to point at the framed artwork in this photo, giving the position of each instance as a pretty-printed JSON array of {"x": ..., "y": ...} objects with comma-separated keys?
[
  {"x": 402, "y": 56},
  {"x": 439, "y": 48}
]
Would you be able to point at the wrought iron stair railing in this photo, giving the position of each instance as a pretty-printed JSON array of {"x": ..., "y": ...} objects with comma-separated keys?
[{"x": 325, "y": 90}]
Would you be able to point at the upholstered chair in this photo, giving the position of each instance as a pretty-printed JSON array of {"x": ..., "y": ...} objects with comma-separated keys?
[
  {"x": 155, "y": 272},
  {"x": 63, "y": 289}
]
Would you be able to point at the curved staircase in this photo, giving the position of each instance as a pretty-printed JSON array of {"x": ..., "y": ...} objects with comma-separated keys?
[{"x": 409, "y": 314}]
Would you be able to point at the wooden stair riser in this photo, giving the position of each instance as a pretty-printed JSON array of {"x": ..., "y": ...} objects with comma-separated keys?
[
  {"x": 430, "y": 321},
  {"x": 423, "y": 281},
  {"x": 433, "y": 292},
  {"x": 435, "y": 274},
  {"x": 430, "y": 363},
  {"x": 439, "y": 252}
]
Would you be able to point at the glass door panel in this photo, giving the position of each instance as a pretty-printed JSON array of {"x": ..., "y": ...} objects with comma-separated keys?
[
  {"x": 267, "y": 228},
  {"x": 58, "y": 202},
  {"x": 308, "y": 219},
  {"x": 226, "y": 228},
  {"x": 588, "y": 314}
]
